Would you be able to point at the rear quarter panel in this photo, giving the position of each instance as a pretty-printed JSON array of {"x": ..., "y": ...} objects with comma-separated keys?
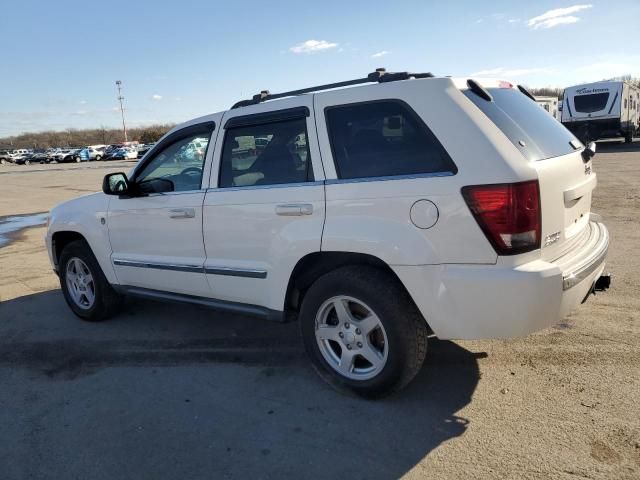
[{"x": 374, "y": 216}]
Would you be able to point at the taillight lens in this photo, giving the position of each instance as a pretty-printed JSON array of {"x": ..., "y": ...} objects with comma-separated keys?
[{"x": 508, "y": 214}]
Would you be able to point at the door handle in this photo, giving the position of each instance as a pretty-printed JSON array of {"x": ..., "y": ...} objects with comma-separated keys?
[
  {"x": 182, "y": 213},
  {"x": 294, "y": 209}
]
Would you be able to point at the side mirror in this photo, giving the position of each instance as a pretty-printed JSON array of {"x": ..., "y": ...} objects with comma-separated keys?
[
  {"x": 115, "y": 184},
  {"x": 589, "y": 152}
]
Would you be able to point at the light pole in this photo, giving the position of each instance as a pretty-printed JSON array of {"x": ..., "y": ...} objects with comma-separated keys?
[{"x": 120, "y": 99}]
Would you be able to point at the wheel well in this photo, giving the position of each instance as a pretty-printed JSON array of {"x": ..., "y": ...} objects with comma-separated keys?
[
  {"x": 61, "y": 240},
  {"x": 313, "y": 266}
]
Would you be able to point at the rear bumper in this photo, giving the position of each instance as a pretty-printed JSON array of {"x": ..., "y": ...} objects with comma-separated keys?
[{"x": 493, "y": 301}]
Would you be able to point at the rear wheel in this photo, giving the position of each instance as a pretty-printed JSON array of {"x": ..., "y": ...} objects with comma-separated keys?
[
  {"x": 3, "y": 161},
  {"x": 628, "y": 137},
  {"x": 98, "y": 157},
  {"x": 77, "y": 159},
  {"x": 27, "y": 162},
  {"x": 362, "y": 331},
  {"x": 85, "y": 288}
]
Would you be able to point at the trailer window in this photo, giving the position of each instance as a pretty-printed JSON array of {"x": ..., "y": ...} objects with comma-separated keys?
[
  {"x": 535, "y": 133},
  {"x": 592, "y": 103}
]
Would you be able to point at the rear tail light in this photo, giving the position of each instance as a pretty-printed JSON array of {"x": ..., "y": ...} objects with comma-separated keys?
[{"x": 508, "y": 214}]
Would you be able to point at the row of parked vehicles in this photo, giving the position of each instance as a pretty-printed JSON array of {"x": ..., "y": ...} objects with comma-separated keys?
[{"x": 83, "y": 154}]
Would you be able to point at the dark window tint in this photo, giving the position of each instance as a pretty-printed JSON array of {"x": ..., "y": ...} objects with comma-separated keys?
[
  {"x": 269, "y": 154},
  {"x": 591, "y": 103},
  {"x": 380, "y": 139},
  {"x": 534, "y": 132}
]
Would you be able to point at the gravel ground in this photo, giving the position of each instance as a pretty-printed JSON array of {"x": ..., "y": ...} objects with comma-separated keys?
[{"x": 168, "y": 391}]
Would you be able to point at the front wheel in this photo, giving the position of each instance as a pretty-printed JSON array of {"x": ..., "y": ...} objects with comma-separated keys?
[
  {"x": 628, "y": 138},
  {"x": 85, "y": 288},
  {"x": 362, "y": 331},
  {"x": 98, "y": 158}
]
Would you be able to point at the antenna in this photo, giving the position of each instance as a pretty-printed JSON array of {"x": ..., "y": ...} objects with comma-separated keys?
[{"x": 120, "y": 99}]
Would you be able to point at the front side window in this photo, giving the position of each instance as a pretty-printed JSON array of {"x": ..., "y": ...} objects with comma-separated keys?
[
  {"x": 177, "y": 167},
  {"x": 383, "y": 138},
  {"x": 269, "y": 154}
]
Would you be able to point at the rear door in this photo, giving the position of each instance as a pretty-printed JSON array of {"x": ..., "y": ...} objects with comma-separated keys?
[
  {"x": 566, "y": 181},
  {"x": 265, "y": 208}
]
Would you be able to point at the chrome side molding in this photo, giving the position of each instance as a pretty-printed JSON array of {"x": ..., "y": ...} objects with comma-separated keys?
[{"x": 233, "y": 272}]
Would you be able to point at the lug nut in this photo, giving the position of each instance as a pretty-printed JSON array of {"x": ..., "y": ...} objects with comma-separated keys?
[
  {"x": 358, "y": 331},
  {"x": 348, "y": 347},
  {"x": 341, "y": 335},
  {"x": 359, "y": 345},
  {"x": 346, "y": 325}
]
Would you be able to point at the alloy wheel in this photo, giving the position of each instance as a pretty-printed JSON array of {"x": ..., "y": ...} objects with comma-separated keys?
[{"x": 351, "y": 338}]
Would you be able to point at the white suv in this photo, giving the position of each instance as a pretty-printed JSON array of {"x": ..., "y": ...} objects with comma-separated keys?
[{"x": 375, "y": 215}]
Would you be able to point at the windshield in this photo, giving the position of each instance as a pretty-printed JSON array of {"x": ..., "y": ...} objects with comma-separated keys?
[{"x": 530, "y": 128}]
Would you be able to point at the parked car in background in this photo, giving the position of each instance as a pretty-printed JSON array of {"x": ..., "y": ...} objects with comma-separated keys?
[
  {"x": 67, "y": 155},
  {"x": 91, "y": 153},
  {"x": 125, "y": 153},
  {"x": 143, "y": 149},
  {"x": 29, "y": 158},
  {"x": 110, "y": 150},
  {"x": 5, "y": 157}
]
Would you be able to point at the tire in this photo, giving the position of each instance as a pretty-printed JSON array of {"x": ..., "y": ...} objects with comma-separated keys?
[
  {"x": 98, "y": 158},
  {"x": 3, "y": 161},
  {"x": 399, "y": 341},
  {"x": 27, "y": 162},
  {"x": 77, "y": 159},
  {"x": 106, "y": 302},
  {"x": 628, "y": 138}
]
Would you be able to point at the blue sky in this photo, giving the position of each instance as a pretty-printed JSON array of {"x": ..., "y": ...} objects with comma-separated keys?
[{"x": 178, "y": 60}]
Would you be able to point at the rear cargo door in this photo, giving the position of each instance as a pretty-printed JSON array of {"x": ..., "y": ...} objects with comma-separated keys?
[{"x": 566, "y": 181}]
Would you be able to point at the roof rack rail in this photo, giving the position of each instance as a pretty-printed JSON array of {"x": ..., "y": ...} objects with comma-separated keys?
[{"x": 380, "y": 76}]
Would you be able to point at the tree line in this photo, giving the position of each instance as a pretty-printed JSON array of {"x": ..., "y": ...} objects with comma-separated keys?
[{"x": 78, "y": 138}]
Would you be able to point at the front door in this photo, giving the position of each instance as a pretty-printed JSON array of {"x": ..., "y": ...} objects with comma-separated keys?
[
  {"x": 265, "y": 210},
  {"x": 156, "y": 236}
]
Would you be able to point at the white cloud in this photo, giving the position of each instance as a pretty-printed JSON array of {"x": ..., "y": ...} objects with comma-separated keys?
[
  {"x": 83, "y": 102},
  {"x": 557, "y": 16},
  {"x": 504, "y": 72},
  {"x": 156, "y": 97},
  {"x": 514, "y": 20},
  {"x": 312, "y": 46},
  {"x": 380, "y": 54}
]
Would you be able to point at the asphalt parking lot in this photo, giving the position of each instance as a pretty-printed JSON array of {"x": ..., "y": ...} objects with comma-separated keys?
[{"x": 172, "y": 391}]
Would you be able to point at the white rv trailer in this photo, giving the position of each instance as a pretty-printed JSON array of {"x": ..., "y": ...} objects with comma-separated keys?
[
  {"x": 550, "y": 104},
  {"x": 601, "y": 110}
]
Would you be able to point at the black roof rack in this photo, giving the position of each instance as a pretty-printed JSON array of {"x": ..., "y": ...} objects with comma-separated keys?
[{"x": 380, "y": 76}]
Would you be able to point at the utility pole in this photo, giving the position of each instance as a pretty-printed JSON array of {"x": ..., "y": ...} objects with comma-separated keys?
[{"x": 120, "y": 99}]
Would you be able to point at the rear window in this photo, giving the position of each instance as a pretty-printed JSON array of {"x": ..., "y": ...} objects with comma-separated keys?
[
  {"x": 533, "y": 131},
  {"x": 590, "y": 103},
  {"x": 381, "y": 139}
]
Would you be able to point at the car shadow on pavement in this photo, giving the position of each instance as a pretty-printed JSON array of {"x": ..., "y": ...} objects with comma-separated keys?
[{"x": 260, "y": 409}]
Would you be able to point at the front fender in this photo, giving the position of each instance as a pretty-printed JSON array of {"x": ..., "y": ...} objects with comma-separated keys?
[{"x": 86, "y": 216}]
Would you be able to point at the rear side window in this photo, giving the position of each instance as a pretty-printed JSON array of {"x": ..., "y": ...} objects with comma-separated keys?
[
  {"x": 268, "y": 154},
  {"x": 591, "y": 103},
  {"x": 385, "y": 138},
  {"x": 533, "y": 131}
]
